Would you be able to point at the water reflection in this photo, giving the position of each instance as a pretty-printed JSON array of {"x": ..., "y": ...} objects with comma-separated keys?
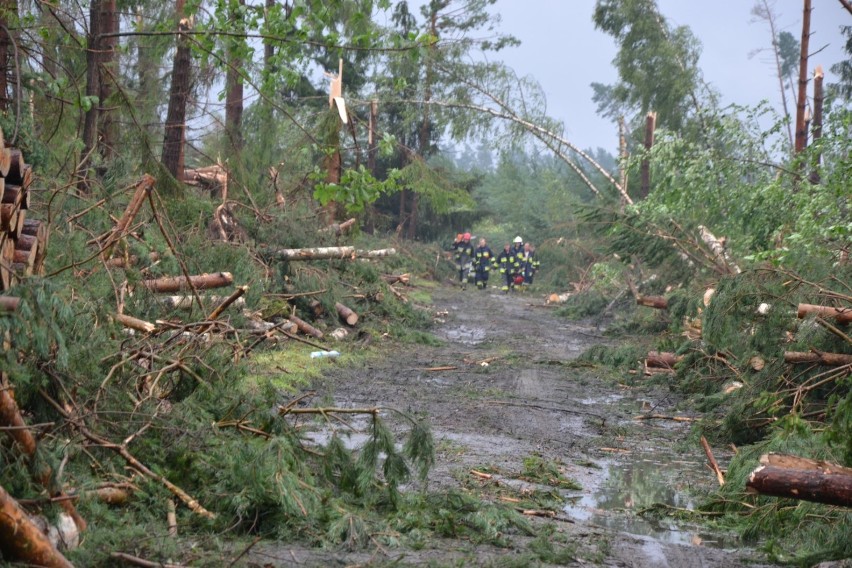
[{"x": 628, "y": 488}]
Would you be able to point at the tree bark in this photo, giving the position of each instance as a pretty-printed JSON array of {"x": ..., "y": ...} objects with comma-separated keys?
[
  {"x": 720, "y": 255},
  {"x": 801, "y": 131},
  {"x": 828, "y": 359},
  {"x": 234, "y": 84},
  {"x": 818, "y": 485},
  {"x": 622, "y": 154},
  {"x": 108, "y": 72},
  {"x": 135, "y": 323},
  {"x": 9, "y": 303},
  {"x": 93, "y": 89},
  {"x": 819, "y": 99},
  {"x": 186, "y": 302},
  {"x": 346, "y": 314},
  {"x": 21, "y": 539},
  {"x": 841, "y": 315},
  {"x": 175, "y": 128},
  {"x": 662, "y": 359},
  {"x": 140, "y": 194},
  {"x": 656, "y": 302},
  {"x": 8, "y": 10},
  {"x": 180, "y": 283},
  {"x": 650, "y": 127}
]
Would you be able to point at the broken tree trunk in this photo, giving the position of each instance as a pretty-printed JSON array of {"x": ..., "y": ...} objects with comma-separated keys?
[
  {"x": 180, "y": 283},
  {"x": 340, "y": 228},
  {"x": 140, "y": 194},
  {"x": 797, "y": 478},
  {"x": 227, "y": 302},
  {"x": 324, "y": 253},
  {"x": 306, "y": 328},
  {"x": 720, "y": 255},
  {"x": 134, "y": 323},
  {"x": 645, "y": 167},
  {"x": 346, "y": 314},
  {"x": 22, "y": 540},
  {"x": 9, "y": 303},
  {"x": 662, "y": 359},
  {"x": 656, "y": 302},
  {"x": 841, "y": 315},
  {"x": 828, "y": 359}
]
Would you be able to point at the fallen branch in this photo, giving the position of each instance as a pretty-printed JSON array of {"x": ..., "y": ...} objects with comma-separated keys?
[
  {"x": 841, "y": 315},
  {"x": 713, "y": 464},
  {"x": 136, "y": 561},
  {"x": 135, "y": 323},
  {"x": 665, "y": 417},
  {"x": 143, "y": 188},
  {"x": 122, "y": 450}
]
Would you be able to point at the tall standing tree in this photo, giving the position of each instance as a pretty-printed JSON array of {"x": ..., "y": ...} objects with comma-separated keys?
[
  {"x": 181, "y": 84},
  {"x": 801, "y": 100},
  {"x": 237, "y": 53}
]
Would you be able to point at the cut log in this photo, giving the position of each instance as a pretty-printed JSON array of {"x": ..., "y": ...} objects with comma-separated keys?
[
  {"x": 656, "y": 302},
  {"x": 397, "y": 278},
  {"x": 22, "y": 540},
  {"x": 25, "y": 258},
  {"x": 5, "y": 161},
  {"x": 7, "y": 252},
  {"x": 9, "y": 303},
  {"x": 818, "y": 485},
  {"x": 559, "y": 298},
  {"x": 720, "y": 255},
  {"x": 795, "y": 462},
  {"x": 316, "y": 308},
  {"x": 306, "y": 328},
  {"x": 841, "y": 315},
  {"x": 16, "y": 166},
  {"x": 346, "y": 314},
  {"x": 324, "y": 253},
  {"x": 16, "y": 195},
  {"x": 662, "y": 359},
  {"x": 135, "y": 323},
  {"x": 180, "y": 283},
  {"x": 8, "y": 217},
  {"x": 828, "y": 359}
]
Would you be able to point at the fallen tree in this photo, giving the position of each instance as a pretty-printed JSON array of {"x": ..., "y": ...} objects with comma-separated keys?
[
  {"x": 828, "y": 359},
  {"x": 22, "y": 540},
  {"x": 801, "y": 478},
  {"x": 198, "y": 282},
  {"x": 325, "y": 253}
]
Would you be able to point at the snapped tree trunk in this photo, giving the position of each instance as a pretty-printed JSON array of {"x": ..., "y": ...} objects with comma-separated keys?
[
  {"x": 819, "y": 99},
  {"x": 650, "y": 127},
  {"x": 801, "y": 131},
  {"x": 93, "y": 89},
  {"x": 175, "y": 128}
]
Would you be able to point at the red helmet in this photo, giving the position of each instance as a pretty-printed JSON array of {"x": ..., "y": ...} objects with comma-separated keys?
[{"x": 467, "y": 236}]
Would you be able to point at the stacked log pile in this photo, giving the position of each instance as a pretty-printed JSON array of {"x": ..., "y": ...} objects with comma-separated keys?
[{"x": 23, "y": 241}]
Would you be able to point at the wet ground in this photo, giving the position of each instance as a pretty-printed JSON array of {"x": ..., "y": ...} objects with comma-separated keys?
[{"x": 502, "y": 390}]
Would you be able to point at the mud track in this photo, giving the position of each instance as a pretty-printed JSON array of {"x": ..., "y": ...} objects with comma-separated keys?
[{"x": 512, "y": 390}]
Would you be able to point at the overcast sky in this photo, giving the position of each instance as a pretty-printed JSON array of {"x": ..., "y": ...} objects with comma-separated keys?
[{"x": 563, "y": 51}]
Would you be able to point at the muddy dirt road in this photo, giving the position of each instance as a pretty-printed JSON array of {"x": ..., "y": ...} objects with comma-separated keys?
[{"x": 511, "y": 397}]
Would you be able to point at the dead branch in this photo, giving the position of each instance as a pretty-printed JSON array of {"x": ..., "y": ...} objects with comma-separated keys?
[{"x": 713, "y": 464}]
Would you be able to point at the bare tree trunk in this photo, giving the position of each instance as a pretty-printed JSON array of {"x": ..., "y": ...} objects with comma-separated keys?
[
  {"x": 650, "y": 126},
  {"x": 90, "y": 125},
  {"x": 819, "y": 99},
  {"x": 372, "y": 154},
  {"x": 801, "y": 131},
  {"x": 8, "y": 12},
  {"x": 234, "y": 88},
  {"x": 175, "y": 134},
  {"x": 622, "y": 153},
  {"x": 107, "y": 72}
]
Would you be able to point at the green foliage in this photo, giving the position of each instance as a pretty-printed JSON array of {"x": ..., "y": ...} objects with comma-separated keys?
[
  {"x": 357, "y": 189},
  {"x": 547, "y": 472}
]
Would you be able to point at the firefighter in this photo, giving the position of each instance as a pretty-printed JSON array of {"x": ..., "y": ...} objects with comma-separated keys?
[
  {"x": 482, "y": 260},
  {"x": 529, "y": 263},
  {"x": 508, "y": 268},
  {"x": 464, "y": 258}
]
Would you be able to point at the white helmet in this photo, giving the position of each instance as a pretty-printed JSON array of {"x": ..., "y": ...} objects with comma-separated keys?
[{"x": 518, "y": 240}]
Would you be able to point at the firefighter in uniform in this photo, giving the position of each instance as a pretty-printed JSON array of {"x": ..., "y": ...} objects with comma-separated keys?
[
  {"x": 464, "y": 258},
  {"x": 508, "y": 268},
  {"x": 482, "y": 260},
  {"x": 529, "y": 264}
]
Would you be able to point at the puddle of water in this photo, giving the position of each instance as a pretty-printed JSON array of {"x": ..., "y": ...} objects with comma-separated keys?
[
  {"x": 620, "y": 490},
  {"x": 465, "y": 335},
  {"x": 608, "y": 399}
]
